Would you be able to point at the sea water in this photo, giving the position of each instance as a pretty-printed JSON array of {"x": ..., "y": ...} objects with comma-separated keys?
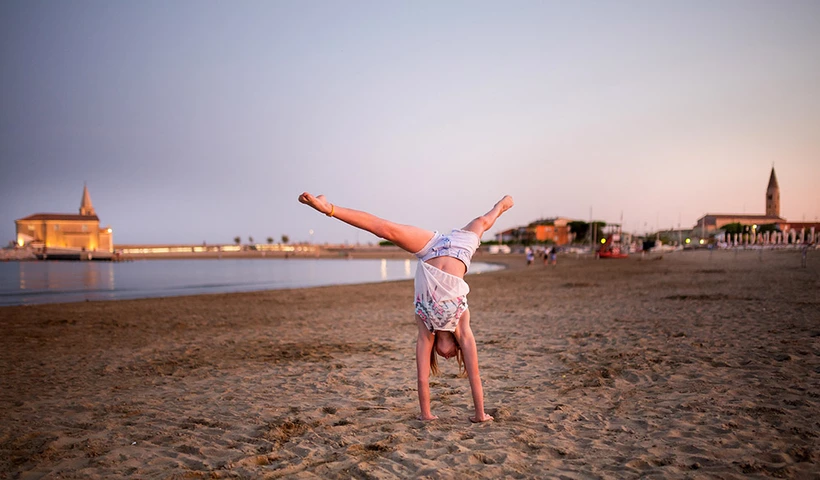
[{"x": 25, "y": 283}]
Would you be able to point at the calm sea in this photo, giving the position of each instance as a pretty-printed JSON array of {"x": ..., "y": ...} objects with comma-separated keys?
[{"x": 25, "y": 283}]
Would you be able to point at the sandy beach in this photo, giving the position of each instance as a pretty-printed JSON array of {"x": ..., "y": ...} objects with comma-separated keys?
[{"x": 690, "y": 365}]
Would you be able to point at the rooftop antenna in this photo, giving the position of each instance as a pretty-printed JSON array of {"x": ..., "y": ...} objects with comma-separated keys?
[
  {"x": 680, "y": 234},
  {"x": 592, "y": 238}
]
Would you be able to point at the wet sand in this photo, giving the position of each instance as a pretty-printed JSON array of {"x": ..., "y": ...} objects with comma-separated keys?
[{"x": 688, "y": 366}]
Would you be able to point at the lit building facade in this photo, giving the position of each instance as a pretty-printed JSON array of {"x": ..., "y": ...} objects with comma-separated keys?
[{"x": 68, "y": 231}]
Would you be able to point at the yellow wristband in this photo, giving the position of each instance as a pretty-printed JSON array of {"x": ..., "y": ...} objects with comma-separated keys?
[{"x": 332, "y": 209}]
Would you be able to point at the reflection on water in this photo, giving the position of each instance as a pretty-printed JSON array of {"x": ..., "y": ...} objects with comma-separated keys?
[
  {"x": 52, "y": 282},
  {"x": 59, "y": 276}
]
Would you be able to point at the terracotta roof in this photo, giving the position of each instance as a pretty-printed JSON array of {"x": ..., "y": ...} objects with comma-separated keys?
[
  {"x": 61, "y": 216},
  {"x": 740, "y": 216},
  {"x": 806, "y": 225}
]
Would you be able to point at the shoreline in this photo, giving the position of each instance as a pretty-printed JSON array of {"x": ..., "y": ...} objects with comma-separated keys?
[
  {"x": 512, "y": 261},
  {"x": 375, "y": 252},
  {"x": 72, "y": 282},
  {"x": 686, "y": 365}
]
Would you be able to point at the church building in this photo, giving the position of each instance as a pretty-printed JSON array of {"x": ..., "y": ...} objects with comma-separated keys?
[
  {"x": 712, "y": 222},
  {"x": 66, "y": 231}
]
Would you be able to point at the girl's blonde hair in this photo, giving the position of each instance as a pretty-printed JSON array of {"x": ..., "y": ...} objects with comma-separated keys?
[{"x": 462, "y": 371}]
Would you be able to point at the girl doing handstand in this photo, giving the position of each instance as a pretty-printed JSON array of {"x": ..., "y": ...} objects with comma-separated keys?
[{"x": 442, "y": 315}]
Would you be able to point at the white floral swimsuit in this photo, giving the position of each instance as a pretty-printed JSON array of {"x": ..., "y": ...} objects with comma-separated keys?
[{"x": 441, "y": 298}]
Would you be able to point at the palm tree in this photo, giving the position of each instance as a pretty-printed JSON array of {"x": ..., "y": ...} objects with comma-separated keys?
[
  {"x": 250, "y": 240},
  {"x": 285, "y": 239},
  {"x": 270, "y": 240},
  {"x": 236, "y": 240}
]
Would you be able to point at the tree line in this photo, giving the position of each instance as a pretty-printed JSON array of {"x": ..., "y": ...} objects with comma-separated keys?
[{"x": 237, "y": 240}]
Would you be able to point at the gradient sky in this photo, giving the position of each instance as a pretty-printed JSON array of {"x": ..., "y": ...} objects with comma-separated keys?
[{"x": 196, "y": 121}]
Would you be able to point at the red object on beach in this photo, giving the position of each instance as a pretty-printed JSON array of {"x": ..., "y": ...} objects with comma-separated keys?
[
  {"x": 614, "y": 253},
  {"x": 611, "y": 248}
]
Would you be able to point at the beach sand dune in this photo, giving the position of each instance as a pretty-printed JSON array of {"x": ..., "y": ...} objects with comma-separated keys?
[{"x": 694, "y": 365}]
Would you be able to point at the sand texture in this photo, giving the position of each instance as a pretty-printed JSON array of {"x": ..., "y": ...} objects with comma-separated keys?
[{"x": 689, "y": 366}]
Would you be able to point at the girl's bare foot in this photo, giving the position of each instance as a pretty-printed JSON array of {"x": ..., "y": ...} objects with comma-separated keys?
[
  {"x": 485, "y": 418},
  {"x": 427, "y": 419},
  {"x": 319, "y": 203},
  {"x": 505, "y": 204}
]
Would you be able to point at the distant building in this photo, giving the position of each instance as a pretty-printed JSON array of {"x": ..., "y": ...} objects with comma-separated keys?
[
  {"x": 801, "y": 231},
  {"x": 773, "y": 197},
  {"x": 712, "y": 222},
  {"x": 510, "y": 235},
  {"x": 554, "y": 230},
  {"x": 63, "y": 230}
]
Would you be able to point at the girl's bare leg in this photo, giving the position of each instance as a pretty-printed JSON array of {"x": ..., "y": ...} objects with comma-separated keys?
[
  {"x": 483, "y": 223},
  {"x": 424, "y": 346},
  {"x": 407, "y": 237},
  {"x": 464, "y": 335}
]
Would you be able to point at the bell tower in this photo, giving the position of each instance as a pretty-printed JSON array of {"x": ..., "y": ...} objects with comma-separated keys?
[
  {"x": 85, "y": 205},
  {"x": 772, "y": 197}
]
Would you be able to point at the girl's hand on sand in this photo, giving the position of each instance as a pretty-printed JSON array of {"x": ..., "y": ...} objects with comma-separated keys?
[
  {"x": 427, "y": 419},
  {"x": 485, "y": 418}
]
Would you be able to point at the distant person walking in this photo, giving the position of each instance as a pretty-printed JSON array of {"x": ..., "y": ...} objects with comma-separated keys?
[
  {"x": 530, "y": 255},
  {"x": 554, "y": 255},
  {"x": 442, "y": 316}
]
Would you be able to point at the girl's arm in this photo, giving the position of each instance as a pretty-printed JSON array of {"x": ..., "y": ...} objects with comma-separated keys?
[
  {"x": 469, "y": 351},
  {"x": 424, "y": 347}
]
